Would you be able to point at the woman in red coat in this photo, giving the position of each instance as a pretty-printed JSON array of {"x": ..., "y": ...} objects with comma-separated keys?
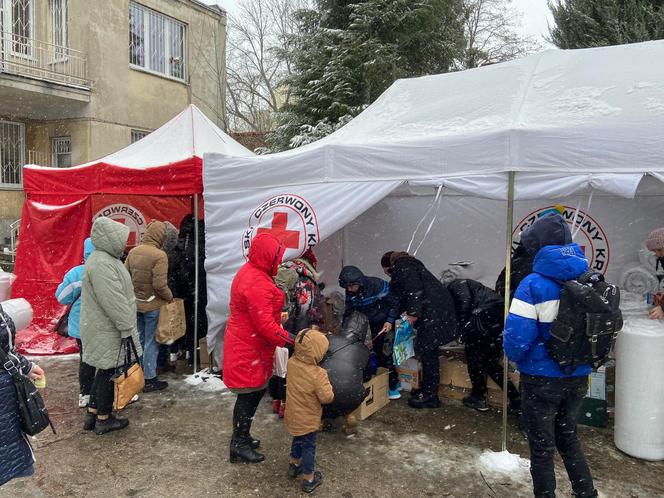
[{"x": 253, "y": 332}]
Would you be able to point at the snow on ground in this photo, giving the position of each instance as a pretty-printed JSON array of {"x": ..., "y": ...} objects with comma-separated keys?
[
  {"x": 504, "y": 462},
  {"x": 206, "y": 382}
]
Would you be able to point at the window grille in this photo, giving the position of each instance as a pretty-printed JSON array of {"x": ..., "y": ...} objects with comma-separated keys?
[
  {"x": 12, "y": 153},
  {"x": 61, "y": 152},
  {"x": 59, "y": 27},
  {"x": 156, "y": 42},
  {"x": 22, "y": 21},
  {"x": 136, "y": 135}
]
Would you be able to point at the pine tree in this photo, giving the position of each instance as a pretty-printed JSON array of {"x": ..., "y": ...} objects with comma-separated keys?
[
  {"x": 348, "y": 52},
  {"x": 596, "y": 23}
]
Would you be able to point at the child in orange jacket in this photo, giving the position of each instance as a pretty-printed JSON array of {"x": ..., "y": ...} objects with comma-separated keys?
[{"x": 308, "y": 387}]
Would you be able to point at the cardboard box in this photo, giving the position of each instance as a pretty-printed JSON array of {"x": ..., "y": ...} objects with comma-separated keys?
[
  {"x": 203, "y": 353},
  {"x": 410, "y": 373},
  {"x": 377, "y": 397},
  {"x": 455, "y": 381},
  {"x": 597, "y": 384}
]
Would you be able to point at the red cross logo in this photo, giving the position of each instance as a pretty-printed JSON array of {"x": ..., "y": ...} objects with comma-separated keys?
[
  {"x": 290, "y": 238},
  {"x": 133, "y": 235}
]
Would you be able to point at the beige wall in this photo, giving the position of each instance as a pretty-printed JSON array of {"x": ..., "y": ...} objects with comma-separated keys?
[{"x": 11, "y": 204}]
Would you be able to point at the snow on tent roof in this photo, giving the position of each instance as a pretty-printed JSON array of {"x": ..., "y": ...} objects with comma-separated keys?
[{"x": 590, "y": 111}]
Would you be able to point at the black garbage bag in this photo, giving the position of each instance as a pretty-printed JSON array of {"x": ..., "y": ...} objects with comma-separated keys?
[{"x": 346, "y": 360}]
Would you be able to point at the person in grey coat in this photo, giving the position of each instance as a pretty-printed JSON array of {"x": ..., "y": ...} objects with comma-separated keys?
[{"x": 108, "y": 315}]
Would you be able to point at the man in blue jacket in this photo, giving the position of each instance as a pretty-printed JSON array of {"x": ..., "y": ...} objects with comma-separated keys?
[
  {"x": 550, "y": 399},
  {"x": 372, "y": 297},
  {"x": 69, "y": 293}
]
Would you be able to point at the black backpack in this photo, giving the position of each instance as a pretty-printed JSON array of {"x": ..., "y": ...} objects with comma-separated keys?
[{"x": 588, "y": 322}]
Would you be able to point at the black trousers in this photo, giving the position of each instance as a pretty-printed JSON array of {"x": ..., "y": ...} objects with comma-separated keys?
[
  {"x": 243, "y": 414},
  {"x": 483, "y": 354},
  {"x": 103, "y": 392},
  {"x": 430, "y": 372},
  {"x": 549, "y": 410},
  {"x": 86, "y": 373},
  {"x": 384, "y": 359}
]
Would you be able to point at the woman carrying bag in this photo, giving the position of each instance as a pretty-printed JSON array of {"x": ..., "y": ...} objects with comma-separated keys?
[
  {"x": 108, "y": 320},
  {"x": 16, "y": 458}
]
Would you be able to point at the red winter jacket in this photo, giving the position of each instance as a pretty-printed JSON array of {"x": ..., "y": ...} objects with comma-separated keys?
[{"x": 254, "y": 328}]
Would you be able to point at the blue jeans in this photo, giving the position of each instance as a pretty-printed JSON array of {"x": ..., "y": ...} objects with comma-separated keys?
[
  {"x": 147, "y": 331},
  {"x": 304, "y": 447}
]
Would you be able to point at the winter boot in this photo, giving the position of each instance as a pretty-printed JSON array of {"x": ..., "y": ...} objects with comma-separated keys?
[
  {"x": 394, "y": 394},
  {"x": 83, "y": 400},
  {"x": 514, "y": 407},
  {"x": 294, "y": 470},
  {"x": 350, "y": 424},
  {"x": 423, "y": 401},
  {"x": 282, "y": 410},
  {"x": 152, "y": 385},
  {"x": 242, "y": 452},
  {"x": 109, "y": 425},
  {"x": 309, "y": 486},
  {"x": 476, "y": 403},
  {"x": 254, "y": 443},
  {"x": 276, "y": 404},
  {"x": 90, "y": 421}
]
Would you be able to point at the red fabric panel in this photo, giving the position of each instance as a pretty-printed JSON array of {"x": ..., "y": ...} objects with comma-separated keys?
[
  {"x": 50, "y": 243},
  {"x": 178, "y": 178}
]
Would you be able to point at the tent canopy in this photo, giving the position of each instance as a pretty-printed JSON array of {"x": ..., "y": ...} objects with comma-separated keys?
[
  {"x": 166, "y": 162},
  {"x": 567, "y": 121},
  {"x": 154, "y": 178},
  {"x": 562, "y": 112}
]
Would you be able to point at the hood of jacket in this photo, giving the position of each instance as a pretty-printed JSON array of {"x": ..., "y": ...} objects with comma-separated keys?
[
  {"x": 155, "y": 234},
  {"x": 88, "y": 248},
  {"x": 109, "y": 236},
  {"x": 266, "y": 253},
  {"x": 565, "y": 262},
  {"x": 351, "y": 275},
  {"x": 551, "y": 230},
  {"x": 171, "y": 238},
  {"x": 310, "y": 346},
  {"x": 356, "y": 327}
]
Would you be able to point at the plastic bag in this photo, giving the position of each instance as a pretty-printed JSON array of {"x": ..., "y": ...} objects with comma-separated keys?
[{"x": 404, "y": 346}]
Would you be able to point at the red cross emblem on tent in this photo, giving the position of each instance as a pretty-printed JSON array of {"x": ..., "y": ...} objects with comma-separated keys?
[
  {"x": 133, "y": 233},
  {"x": 279, "y": 229}
]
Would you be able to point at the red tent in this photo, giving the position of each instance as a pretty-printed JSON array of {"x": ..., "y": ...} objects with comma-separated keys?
[{"x": 157, "y": 177}]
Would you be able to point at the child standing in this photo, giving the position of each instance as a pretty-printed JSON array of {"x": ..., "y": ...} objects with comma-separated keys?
[{"x": 308, "y": 388}]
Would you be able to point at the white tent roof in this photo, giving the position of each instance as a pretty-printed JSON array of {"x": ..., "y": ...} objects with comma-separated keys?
[
  {"x": 189, "y": 134},
  {"x": 560, "y": 113}
]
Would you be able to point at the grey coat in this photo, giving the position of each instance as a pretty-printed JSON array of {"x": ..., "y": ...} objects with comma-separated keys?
[{"x": 108, "y": 304}]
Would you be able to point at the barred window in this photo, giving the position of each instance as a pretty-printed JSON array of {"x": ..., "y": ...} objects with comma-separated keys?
[
  {"x": 22, "y": 20},
  {"x": 12, "y": 153},
  {"x": 61, "y": 152},
  {"x": 59, "y": 27},
  {"x": 136, "y": 135},
  {"x": 156, "y": 42}
]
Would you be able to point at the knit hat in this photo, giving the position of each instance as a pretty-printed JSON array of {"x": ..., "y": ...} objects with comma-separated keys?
[
  {"x": 550, "y": 230},
  {"x": 655, "y": 240}
]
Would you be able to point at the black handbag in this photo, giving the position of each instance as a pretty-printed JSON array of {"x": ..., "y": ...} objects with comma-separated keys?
[
  {"x": 31, "y": 406},
  {"x": 62, "y": 325}
]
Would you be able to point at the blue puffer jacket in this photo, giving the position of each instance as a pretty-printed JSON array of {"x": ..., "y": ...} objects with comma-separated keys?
[
  {"x": 535, "y": 307},
  {"x": 374, "y": 298},
  {"x": 16, "y": 459},
  {"x": 69, "y": 291}
]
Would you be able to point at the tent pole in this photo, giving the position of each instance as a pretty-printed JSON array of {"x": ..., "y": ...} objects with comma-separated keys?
[
  {"x": 196, "y": 283},
  {"x": 508, "y": 281}
]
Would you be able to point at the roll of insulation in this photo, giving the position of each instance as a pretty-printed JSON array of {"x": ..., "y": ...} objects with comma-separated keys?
[
  {"x": 637, "y": 279},
  {"x": 639, "y": 428},
  {"x": 20, "y": 312}
]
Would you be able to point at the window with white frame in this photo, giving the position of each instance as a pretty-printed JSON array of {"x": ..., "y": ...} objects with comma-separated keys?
[
  {"x": 12, "y": 153},
  {"x": 136, "y": 135},
  {"x": 156, "y": 42},
  {"x": 21, "y": 14},
  {"x": 59, "y": 27},
  {"x": 61, "y": 152}
]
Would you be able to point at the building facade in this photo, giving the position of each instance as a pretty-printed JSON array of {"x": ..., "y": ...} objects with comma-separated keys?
[{"x": 80, "y": 79}]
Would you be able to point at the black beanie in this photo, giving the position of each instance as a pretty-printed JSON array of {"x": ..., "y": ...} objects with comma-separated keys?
[{"x": 550, "y": 230}]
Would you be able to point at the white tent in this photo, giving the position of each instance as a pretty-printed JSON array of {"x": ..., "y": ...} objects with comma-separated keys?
[{"x": 569, "y": 123}]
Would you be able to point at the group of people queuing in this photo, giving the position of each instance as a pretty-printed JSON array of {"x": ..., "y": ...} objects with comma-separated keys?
[
  {"x": 277, "y": 305},
  {"x": 117, "y": 295}
]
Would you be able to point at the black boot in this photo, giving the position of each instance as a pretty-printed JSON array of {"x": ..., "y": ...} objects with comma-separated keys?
[
  {"x": 241, "y": 451},
  {"x": 90, "y": 421},
  {"x": 476, "y": 403},
  {"x": 109, "y": 425},
  {"x": 309, "y": 486},
  {"x": 424, "y": 401},
  {"x": 254, "y": 443}
]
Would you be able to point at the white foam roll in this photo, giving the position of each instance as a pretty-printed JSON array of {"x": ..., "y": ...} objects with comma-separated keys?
[
  {"x": 20, "y": 311},
  {"x": 638, "y": 279},
  {"x": 6, "y": 281},
  {"x": 639, "y": 428}
]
